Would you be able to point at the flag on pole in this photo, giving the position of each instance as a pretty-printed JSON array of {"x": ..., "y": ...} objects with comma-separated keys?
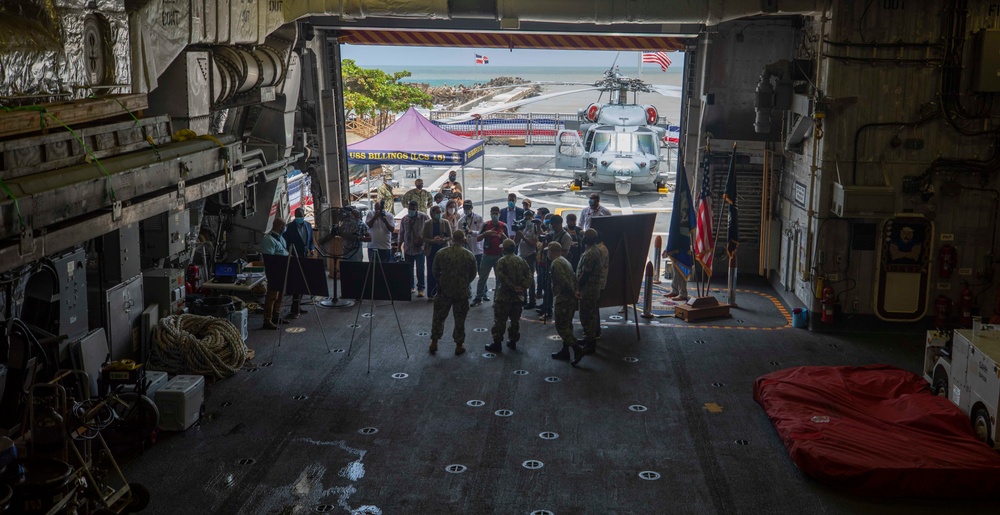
[
  {"x": 682, "y": 224},
  {"x": 482, "y": 59},
  {"x": 704, "y": 241},
  {"x": 733, "y": 232},
  {"x": 659, "y": 58}
]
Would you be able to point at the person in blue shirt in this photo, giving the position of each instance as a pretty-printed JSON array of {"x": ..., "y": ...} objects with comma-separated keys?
[
  {"x": 274, "y": 244},
  {"x": 299, "y": 237}
]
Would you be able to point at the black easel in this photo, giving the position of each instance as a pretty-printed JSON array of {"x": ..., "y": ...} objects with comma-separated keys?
[
  {"x": 376, "y": 264},
  {"x": 288, "y": 266}
]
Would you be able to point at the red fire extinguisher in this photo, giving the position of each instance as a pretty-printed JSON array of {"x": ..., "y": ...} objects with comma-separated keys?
[
  {"x": 965, "y": 304},
  {"x": 828, "y": 301},
  {"x": 947, "y": 261},
  {"x": 942, "y": 308}
]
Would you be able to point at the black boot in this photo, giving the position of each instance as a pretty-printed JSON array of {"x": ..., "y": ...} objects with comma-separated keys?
[
  {"x": 562, "y": 354},
  {"x": 512, "y": 345},
  {"x": 495, "y": 347},
  {"x": 590, "y": 346},
  {"x": 578, "y": 354}
]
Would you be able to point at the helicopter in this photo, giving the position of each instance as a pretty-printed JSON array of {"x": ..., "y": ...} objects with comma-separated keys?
[{"x": 617, "y": 143}]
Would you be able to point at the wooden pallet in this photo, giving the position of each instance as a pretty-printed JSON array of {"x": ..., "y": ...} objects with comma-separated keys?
[
  {"x": 692, "y": 314},
  {"x": 72, "y": 113}
]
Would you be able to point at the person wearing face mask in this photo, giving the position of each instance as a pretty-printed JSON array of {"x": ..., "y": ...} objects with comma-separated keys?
[
  {"x": 299, "y": 236},
  {"x": 385, "y": 193},
  {"x": 454, "y": 268},
  {"x": 567, "y": 298},
  {"x": 451, "y": 189},
  {"x": 593, "y": 209},
  {"x": 451, "y": 214},
  {"x": 557, "y": 234},
  {"x": 576, "y": 233},
  {"x": 411, "y": 230},
  {"x": 439, "y": 201},
  {"x": 511, "y": 214},
  {"x": 436, "y": 235},
  {"x": 494, "y": 232},
  {"x": 381, "y": 225},
  {"x": 423, "y": 198},
  {"x": 472, "y": 224},
  {"x": 274, "y": 244},
  {"x": 588, "y": 275},
  {"x": 527, "y": 240}
]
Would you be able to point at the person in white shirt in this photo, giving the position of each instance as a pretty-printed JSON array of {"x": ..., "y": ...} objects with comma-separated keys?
[
  {"x": 380, "y": 225},
  {"x": 472, "y": 224},
  {"x": 595, "y": 209}
]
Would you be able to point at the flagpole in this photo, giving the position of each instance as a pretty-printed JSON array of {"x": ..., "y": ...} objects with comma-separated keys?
[
  {"x": 640, "y": 65},
  {"x": 732, "y": 279}
]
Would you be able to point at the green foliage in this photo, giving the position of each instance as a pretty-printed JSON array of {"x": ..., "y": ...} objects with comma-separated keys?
[{"x": 375, "y": 94}]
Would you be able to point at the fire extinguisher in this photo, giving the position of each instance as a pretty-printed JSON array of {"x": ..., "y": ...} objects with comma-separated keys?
[
  {"x": 965, "y": 304},
  {"x": 828, "y": 301},
  {"x": 947, "y": 261},
  {"x": 942, "y": 308}
]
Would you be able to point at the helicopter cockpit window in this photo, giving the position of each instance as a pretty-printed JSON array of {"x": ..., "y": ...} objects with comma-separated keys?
[
  {"x": 647, "y": 144},
  {"x": 601, "y": 141}
]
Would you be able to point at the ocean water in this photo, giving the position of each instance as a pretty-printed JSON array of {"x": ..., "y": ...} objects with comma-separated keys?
[{"x": 581, "y": 76}]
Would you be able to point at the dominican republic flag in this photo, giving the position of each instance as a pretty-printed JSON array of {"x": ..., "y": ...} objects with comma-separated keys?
[
  {"x": 682, "y": 224},
  {"x": 733, "y": 232},
  {"x": 659, "y": 58},
  {"x": 482, "y": 59},
  {"x": 704, "y": 245}
]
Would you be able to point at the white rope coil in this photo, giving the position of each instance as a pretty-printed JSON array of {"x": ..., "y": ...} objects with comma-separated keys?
[{"x": 200, "y": 345}]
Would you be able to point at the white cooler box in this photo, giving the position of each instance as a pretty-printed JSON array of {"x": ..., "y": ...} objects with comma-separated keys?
[
  {"x": 180, "y": 401},
  {"x": 154, "y": 381}
]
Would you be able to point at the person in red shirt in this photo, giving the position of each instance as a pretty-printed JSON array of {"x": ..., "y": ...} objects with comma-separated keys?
[{"x": 492, "y": 236}]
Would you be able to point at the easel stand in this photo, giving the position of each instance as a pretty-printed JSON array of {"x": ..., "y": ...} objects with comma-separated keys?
[
  {"x": 281, "y": 305},
  {"x": 376, "y": 264}
]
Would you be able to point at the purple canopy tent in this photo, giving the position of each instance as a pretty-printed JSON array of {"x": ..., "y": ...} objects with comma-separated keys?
[{"x": 415, "y": 140}]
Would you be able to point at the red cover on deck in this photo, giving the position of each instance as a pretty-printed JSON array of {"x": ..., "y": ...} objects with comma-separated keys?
[{"x": 887, "y": 435}]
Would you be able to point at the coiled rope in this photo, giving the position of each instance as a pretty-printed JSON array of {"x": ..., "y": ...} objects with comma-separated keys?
[{"x": 192, "y": 344}]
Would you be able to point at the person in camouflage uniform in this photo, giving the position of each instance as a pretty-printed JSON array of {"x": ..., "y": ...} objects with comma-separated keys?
[
  {"x": 423, "y": 197},
  {"x": 454, "y": 268},
  {"x": 564, "y": 289},
  {"x": 588, "y": 274},
  {"x": 513, "y": 280},
  {"x": 384, "y": 193}
]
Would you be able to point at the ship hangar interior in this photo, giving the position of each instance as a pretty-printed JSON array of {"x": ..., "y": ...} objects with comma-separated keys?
[{"x": 138, "y": 137}]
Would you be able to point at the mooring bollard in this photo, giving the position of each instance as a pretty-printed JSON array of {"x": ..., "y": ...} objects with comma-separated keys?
[
  {"x": 657, "y": 250},
  {"x": 647, "y": 297}
]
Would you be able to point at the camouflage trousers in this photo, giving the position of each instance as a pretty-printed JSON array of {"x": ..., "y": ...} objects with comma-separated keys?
[
  {"x": 590, "y": 314},
  {"x": 502, "y": 311},
  {"x": 565, "y": 308},
  {"x": 442, "y": 305}
]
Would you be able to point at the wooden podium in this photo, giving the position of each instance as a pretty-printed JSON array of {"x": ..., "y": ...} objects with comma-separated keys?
[{"x": 701, "y": 308}]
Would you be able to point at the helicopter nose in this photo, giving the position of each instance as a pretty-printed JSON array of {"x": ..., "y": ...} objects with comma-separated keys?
[{"x": 623, "y": 167}]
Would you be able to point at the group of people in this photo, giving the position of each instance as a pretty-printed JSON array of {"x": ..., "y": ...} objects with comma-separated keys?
[{"x": 538, "y": 259}]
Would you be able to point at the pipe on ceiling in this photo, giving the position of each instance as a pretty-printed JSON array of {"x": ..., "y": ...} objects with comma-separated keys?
[{"x": 601, "y": 12}]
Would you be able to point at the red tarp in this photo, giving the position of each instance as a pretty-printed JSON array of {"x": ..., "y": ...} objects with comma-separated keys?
[{"x": 886, "y": 434}]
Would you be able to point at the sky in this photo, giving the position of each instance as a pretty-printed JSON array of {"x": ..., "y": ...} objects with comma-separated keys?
[{"x": 371, "y": 55}]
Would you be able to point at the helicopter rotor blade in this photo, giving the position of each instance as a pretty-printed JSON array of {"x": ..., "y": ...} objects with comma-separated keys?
[
  {"x": 667, "y": 91},
  {"x": 510, "y": 105}
]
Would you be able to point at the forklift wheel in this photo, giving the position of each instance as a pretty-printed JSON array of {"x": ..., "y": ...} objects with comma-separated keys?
[
  {"x": 140, "y": 498},
  {"x": 981, "y": 426}
]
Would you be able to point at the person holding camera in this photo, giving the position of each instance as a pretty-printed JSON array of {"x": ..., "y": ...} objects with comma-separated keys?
[
  {"x": 494, "y": 232},
  {"x": 511, "y": 214},
  {"x": 526, "y": 237},
  {"x": 381, "y": 225}
]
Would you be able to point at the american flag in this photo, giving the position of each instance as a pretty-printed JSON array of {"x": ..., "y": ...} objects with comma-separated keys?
[
  {"x": 482, "y": 59},
  {"x": 704, "y": 245},
  {"x": 659, "y": 58}
]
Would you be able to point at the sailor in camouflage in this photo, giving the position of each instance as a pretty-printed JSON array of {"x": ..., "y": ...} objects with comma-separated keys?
[
  {"x": 604, "y": 272},
  {"x": 588, "y": 274},
  {"x": 567, "y": 296},
  {"x": 454, "y": 268},
  {"x": 513, "y": 281}
]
